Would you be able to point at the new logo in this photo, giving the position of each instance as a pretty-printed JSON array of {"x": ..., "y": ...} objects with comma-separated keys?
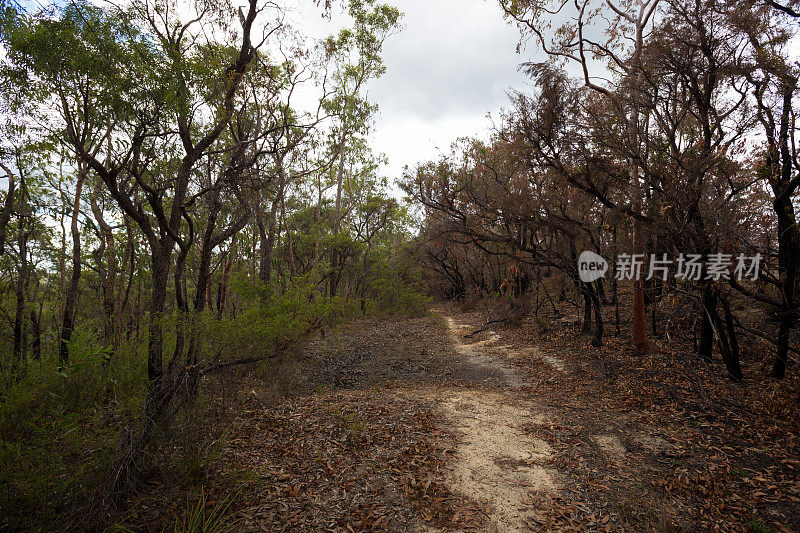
[{"x": 591, "y": 266}]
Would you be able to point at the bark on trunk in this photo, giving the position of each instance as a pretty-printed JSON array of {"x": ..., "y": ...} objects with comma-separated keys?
[
  {"x": 788, "y": 264},
  {"x": 107, "y": 271},
  {"x": 597, "y": 340},
  {"x": 124, "y": 286},
  {"x": 780, "y": 159},
  {"x": 223, "y": 284},
  {"x": 267, "y": 232},
  {"x": 269, "y": 244},
  {"x": 70, "y": 303},
  {"x": 639, "y": 329},
  {"x": 587, "y": 309},
  {"x": 729, "y": 345},
  {"x": 337, "y": 221},
  {"x": 155, "y": 346},
  {"x": 289, "y": 245},
  {"x": 8, "y": 207},
  {"x": 36, "y": 331},
  {"x": 181, "y": 307},
  {"x": 708, "y": 312},
  {"x": 20, "y": 354}
]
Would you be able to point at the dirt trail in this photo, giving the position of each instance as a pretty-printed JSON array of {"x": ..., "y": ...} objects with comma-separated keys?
[
  {"x": 496, "y": 463},
  {"x": 408, "y": 423},
  {"x": 482, "y": 353},
  {"x": 465, "y": 372}
]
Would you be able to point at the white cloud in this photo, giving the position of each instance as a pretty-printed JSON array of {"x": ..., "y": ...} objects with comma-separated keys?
[{"x": 452, "y": 64}]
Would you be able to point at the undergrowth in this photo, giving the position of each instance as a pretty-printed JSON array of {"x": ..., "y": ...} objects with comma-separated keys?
[{"x": 59, "y": 426}]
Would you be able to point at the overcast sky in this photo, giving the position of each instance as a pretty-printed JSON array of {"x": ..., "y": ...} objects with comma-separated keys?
[{"x": 452, "y": 64}]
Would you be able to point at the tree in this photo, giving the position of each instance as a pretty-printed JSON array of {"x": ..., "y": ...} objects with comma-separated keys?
[
  {"x": 358, "y": 55},
  {"x": 774, "y": 82},
  {"x": 624, "y": 26}
]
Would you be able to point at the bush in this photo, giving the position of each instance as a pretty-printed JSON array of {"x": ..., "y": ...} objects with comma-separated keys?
[
  {"x": 59, "y": 426},
  {"x": 58, "y": 429}
]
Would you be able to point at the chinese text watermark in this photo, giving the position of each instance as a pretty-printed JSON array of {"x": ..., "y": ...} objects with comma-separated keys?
[{"x": 689, "y": 267}]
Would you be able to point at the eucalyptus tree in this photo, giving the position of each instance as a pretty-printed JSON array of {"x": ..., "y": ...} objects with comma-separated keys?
[
  {"x": 602, "y": 38},
  {"x": 68, "y": 97},
  {"x": 105, "y": 259},
  {"x": 8, "y": 203},
  {"x": 373, "y": 219},
  {"x": 769, "y": 29},
  {"x": 357, "y": 52},
  {"x": 29, "y": 239},
  {"x": 292, "y": 141},
  {"x": 158, "y": 92},
  {"x": 697, "y": 102}
]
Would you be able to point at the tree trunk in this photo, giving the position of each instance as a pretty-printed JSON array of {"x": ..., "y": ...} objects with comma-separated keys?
[
  {"x": 124, "y": 286},
  {"x": 289, "y": 244},
  {"x": 8, "y": 207},
  {"x": 20, "y": 355},
  {"x": 788, "y": 264},
  {"x": 267, "y": 233},
  {"x": 587, "y": 309},
  {"x": 155, "y": 346},
  {"x": 640, "y": 341},
  {"x": 62, "y": 261},
  {"x": 36, "y": 331},
  {"x": 781, "y": 160},
  {"x": 597, "y": 340},
  {"x": 639, "y": 329},
  {"x": 70, "y": 303},
  {"x": 729, "y": 345},
  {"x": 318, "y": 219},
  {"x": 263, "y": 254},
  {"x": 708, "y": 313},
  {"x": 181, "y": 307},
  {"x": 266, "y": 266},
  {"x": 337, "y": 221},
  {"x": 107, "y": 272},
  {"x": 223, "y": 283}
]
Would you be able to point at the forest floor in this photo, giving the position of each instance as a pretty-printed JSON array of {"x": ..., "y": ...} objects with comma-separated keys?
[{"x": 454, "y": 422}]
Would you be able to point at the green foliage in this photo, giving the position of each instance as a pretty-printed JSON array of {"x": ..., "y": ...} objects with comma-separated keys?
[
  {"x": 757, "y": 526},
  {"x": 199, "y": 455},
  {"x": 58, "y": 428},
  {"x": 265, "y": 327},
  {"x": 394, "y": 282},
  {"x": 357, "y": 52},
  {"x": 391, "y": 294},
  {"x": 121, "y": 92},
  {"x": 200, "y": 517},
  {"x": 58, "y": 425},
  {"x": 106, "y": 56},
  {"x": 78, "y": 361}
]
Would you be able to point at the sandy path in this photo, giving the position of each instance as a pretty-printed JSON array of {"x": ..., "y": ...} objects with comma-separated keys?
[
  {"x": 497, "y": 464},
  {"x": 468, "y": 377}
]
